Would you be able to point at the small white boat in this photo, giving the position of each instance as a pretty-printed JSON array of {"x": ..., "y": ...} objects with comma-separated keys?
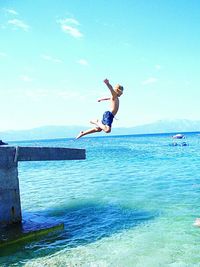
[{"x": 178, "y": 136}]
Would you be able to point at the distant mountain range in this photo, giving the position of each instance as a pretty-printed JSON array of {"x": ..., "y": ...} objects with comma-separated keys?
[{"x": 54, "y": 132}]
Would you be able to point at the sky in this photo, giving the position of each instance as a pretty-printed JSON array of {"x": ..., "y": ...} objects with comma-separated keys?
[{"x": 55, "y": 54}]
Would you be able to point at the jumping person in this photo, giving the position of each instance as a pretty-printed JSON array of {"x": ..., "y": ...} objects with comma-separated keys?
[{"x": 108, "y": 116}]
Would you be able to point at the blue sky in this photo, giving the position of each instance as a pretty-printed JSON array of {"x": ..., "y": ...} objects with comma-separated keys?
[{"x": 54, "y": 56}]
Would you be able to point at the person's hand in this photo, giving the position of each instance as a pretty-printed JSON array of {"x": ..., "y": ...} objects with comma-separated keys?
[{"x": 106, "y": 81}]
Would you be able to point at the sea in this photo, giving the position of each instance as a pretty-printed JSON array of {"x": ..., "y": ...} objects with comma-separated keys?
[{"x": 131, "y": 203}]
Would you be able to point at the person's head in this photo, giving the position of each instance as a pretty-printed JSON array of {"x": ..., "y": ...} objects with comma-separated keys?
[{"x": 118, "y": 89}]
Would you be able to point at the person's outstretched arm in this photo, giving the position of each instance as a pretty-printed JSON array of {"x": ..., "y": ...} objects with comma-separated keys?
[
  {"x": 106, "y": 81},
  {"x": 102, "y": 99}
]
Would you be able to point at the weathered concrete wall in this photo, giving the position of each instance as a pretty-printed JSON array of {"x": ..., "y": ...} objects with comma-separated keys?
[
  {"x": 49, "y": 153},
  {"x": 10, "y": 208}
]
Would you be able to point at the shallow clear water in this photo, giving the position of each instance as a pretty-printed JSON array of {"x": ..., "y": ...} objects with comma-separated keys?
[{"x": 132, "y": 202}]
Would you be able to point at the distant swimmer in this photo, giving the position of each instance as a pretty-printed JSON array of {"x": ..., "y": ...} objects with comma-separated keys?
[{"x": 108, "y": 116}]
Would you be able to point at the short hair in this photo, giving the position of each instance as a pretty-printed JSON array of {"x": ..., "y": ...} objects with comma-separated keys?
[{"x": 121, "y": 88}]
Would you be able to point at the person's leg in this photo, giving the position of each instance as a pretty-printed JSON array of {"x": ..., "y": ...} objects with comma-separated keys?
[
  {"x": 89, "y": 131},
  {"x": 105, "y": 128}
]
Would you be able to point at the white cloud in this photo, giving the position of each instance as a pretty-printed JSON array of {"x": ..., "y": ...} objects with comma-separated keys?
[
  {"x": 19, "y": 24},
  {"x": 83, "y": 62},
  {"x": 11, "y": 11},
  {"x": 66, "y": 26},
  {"x": 72, "y": 31},
  {"x": 49, "y": 58},
  {"x": 25, "y": 78},
  {"x": 149, "y": 81}
]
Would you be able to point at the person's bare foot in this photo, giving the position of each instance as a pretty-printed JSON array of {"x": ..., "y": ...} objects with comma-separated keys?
[
  {"x": 95, "y": 122},
  {"x": 80, "y": 135},
  {"x": 3, "y": 143},
  {"x": 197, "y": 222}
]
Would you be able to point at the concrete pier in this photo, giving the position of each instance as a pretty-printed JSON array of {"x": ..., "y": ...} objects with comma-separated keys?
[{"x": 10, "y": 207}]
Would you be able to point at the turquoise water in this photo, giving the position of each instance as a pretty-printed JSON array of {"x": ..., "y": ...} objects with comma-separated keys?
[{"x": 132, "y": 202}]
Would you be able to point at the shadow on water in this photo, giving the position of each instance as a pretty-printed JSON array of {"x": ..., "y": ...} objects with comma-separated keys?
[{"x": 83, "y": 224}]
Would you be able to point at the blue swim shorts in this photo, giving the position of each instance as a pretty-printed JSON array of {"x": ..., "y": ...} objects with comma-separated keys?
[{"x": 107, "y": 118}]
